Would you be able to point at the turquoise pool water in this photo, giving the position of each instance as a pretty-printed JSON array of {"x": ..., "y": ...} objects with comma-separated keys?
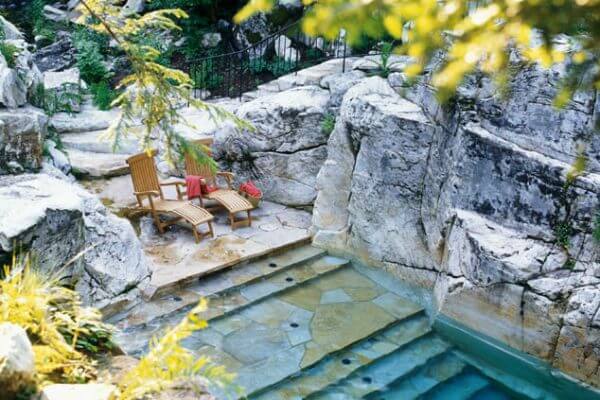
[{"x": 324, "y": 328}]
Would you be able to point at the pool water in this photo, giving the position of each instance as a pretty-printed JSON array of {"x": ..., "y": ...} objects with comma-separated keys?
[{"x": 328, "y": 329}]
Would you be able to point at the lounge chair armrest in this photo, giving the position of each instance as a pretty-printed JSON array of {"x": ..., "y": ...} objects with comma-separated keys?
[
  {"x": 177, "y": 183},
  {"x": 228, "y": 178},
  {"x": 149, "y": 193},
  {"x": 174, "y": 182}
]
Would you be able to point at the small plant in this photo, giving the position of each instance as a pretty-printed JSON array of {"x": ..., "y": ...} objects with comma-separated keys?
[
  {"x": 328, "y": 124},
  {"x": 257, "y": 65},
  {"x": 168, "y": 363},
  {"x": 103, "y": 95},
  {"x": 563, "y": 232},
  {"x": 9, "y": 52},
  {"x": 54, "y": 319},
  {"x": 596, "y": 231}
]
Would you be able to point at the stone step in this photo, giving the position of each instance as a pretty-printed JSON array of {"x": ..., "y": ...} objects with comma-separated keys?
[
  {"x": 166, "y": 279},
  {"x": 460, "y": 387},
  {"x": 94, "y": 141},
  {"x": 219, "y": 284},
  {"x": 282, "y": 365},
  {"x": 433, "y": 374},
  {"x": 377, "y": 376},
  {"x": 489, "y": 393},
  {"x": 97, "y": 165},
  {"x": 340, "y": 365},
  {"x": 288, "y": 333},
  {"x": 144, "y": 324},
  {"x": 89, "y": 119}
]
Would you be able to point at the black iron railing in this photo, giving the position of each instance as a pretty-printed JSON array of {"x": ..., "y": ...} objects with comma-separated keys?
[{"x": 286, "y": 51}]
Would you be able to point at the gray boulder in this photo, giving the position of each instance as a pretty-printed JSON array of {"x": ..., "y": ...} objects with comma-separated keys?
[
  {"x": 60, "y": 222},
  {"x": 283, "y": 155},
  {"x": 19, "y": 77},
  {"x": 11, "y": 32},
  {"x": 22, "y": 134},
  {"x": 17, "y": 363},
  {"x": 57, "y": 56}
]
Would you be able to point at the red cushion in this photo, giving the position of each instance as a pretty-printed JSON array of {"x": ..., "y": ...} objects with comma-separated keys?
[{"x": 252, "y": 190}]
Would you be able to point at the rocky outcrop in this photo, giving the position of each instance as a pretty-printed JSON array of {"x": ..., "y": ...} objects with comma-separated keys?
[
  {"x": 22, "y": 134},
  {"x": 286, "y": 150},
  {"x": 17, "y": 367},
  {"x": 472, "y": 201},
  {"x": 57, "y": 56},
  {"x": 99, "y": 253},
  {"x": 19, "y": 76}
]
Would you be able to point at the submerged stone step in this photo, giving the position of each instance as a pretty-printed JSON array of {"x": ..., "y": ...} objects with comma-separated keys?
[
  {"x": 460, "y": 387},
  {"x": 340, "y": 365},
  {"x": 375, "y": 377},
  {"x": 97, "y": 165},
  {"x": 434, "y": 373},
  {"x": 141, "y": 323},
  {"x": 221, "y": 283},
  {"x": 286, "y": 334}
]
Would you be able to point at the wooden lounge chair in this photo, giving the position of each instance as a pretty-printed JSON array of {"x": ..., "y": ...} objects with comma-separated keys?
[
  {"x": 150, "y": 198},
  {"x": 227, "y": 198}
]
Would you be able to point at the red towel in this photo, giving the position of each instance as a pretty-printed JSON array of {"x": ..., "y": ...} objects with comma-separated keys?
[
  {"x": 194, "y": 186},
  {"x": 250, "y": 188}
]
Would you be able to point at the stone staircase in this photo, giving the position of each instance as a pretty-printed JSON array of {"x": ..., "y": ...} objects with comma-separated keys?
[
  {"x": 305, "y": 325},
  {"x": 91, "y": 155}
]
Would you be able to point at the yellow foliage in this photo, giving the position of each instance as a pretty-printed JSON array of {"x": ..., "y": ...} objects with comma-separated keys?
[
  {"x": 49, "y": 313},
  {"x": 168, "y": 363},
  {"x": 476, "y": 34}
]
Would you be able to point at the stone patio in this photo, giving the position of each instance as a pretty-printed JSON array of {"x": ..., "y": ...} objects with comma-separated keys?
[{"x": 176, "y": 259}]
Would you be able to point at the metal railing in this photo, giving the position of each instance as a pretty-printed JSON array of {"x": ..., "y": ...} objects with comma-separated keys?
[{"x": 284, "y": 52}]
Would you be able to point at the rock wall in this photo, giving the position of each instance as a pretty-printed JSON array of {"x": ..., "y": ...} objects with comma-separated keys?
[
  {"x": 471, "y": 200},
  {"x": 286, "y": 150},
  {"x": 67, "y": 229}
]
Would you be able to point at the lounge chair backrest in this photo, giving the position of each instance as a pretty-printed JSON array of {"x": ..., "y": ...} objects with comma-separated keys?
[
  {"x": 143, "y": 172},
  {"x": 194, "y": 168}
]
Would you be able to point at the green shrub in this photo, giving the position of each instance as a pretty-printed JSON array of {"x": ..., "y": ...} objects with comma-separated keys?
[
  {"x": 596, "y": 231},
  {"x": 103, "y": 95},
  {"x": 90, "y": 62},
  {"x": 280, "y": 66},
  {"x": 328, "y": 124},
  {"x": 9, "y": 51}
]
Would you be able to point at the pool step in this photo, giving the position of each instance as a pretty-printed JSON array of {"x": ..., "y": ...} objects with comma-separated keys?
[
  {"x": 227, "y": 301},
  {"x": 375, "y": 377},
  {"x": 340, "y": 365},
  {"x": 257, "y": 378},
  {"x": 421, "y": 381},
  {"x": 216, "y": 284},
  {"x": 461, "y": 387}
]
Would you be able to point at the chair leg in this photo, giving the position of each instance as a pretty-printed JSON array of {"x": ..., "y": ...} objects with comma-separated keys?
[
  {"x": 232, "y": 220},
  {"x": 196, "y": 234},
  {"x": 158, "y": 224},
  {"x": 210, "y": 229},
  {"x": 249, "y": 218}
]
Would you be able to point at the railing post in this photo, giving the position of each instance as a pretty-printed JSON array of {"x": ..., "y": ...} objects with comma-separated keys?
[{"x": 343, "y": 55}]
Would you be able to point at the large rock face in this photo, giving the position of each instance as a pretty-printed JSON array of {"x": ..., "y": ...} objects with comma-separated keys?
[
  {"x": 40, "y": 210},
  {"x": 285, "y": 152},
  {"x": 471, "y": 200}
]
